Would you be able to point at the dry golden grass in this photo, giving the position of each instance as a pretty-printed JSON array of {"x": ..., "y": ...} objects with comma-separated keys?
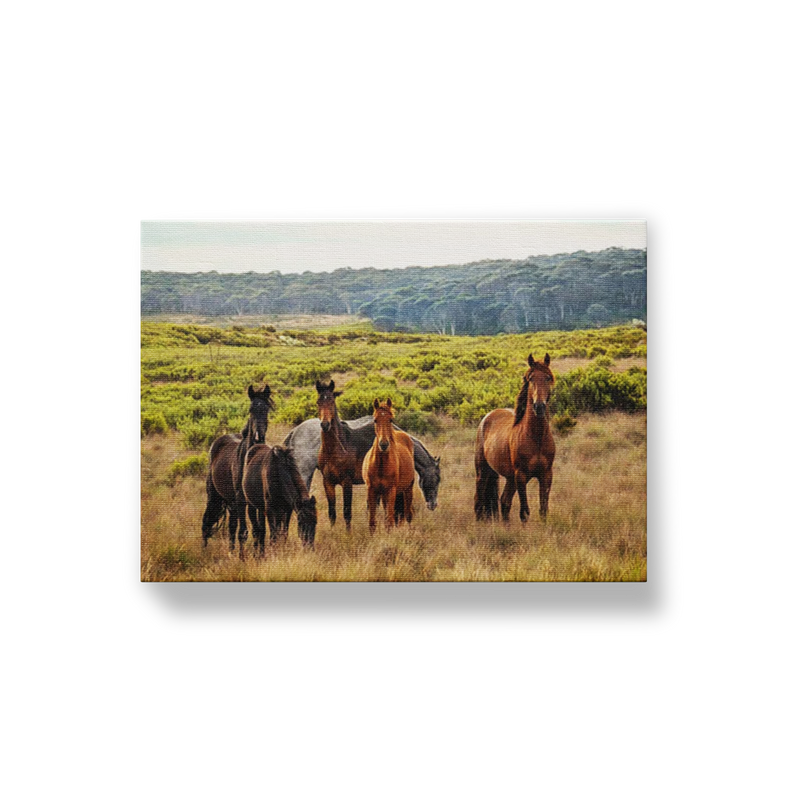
[{"x": 596, "y": 529}]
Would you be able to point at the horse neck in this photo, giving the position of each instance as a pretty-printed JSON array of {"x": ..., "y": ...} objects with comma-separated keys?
[
  {"x": 333, "y": 439},
  {"x": 536, "y": 426},
  {"x": 247, "y": 440}
]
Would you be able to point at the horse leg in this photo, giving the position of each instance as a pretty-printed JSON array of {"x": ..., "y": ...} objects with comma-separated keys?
[
  {"x": 372, "y": 504},
  {"x": 507, "y": 497},
  {"x": 408, "y": 502},
  {"x": 274, "y": 526},
  {"x": 284, "y": 518},
  {"x": 258, "y": 536},
  {"x": 330, "y": 493},
  {"x": 233, "y": 521},
  {"x": 522, "y": 490},
  {"x": 544, "y": 492},
  {"x": 241, "y": 512},
  {"x": 347, "y": 502},
  {"x": 389, "y": 500}
]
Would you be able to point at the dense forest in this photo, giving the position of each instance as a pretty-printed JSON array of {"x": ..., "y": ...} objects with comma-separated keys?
[{"x": 559, "y": 292}]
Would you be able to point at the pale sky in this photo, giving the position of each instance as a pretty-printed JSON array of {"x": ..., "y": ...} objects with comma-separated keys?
[{"x": 177, "y": 246}]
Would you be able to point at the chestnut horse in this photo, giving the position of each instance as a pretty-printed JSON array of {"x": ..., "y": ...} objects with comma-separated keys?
[
  {"x": 226, "y": 466},
  {"x": 388, "y": 469},
  {"x": 341, "y": 453},
  {"x": 517, "y": 445},
  {"x": 274, "y": 489}
]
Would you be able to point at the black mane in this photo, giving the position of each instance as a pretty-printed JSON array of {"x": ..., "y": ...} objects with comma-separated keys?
[{"x": 522, "y": 402}]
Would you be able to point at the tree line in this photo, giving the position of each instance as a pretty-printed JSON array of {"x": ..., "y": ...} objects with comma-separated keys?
[{"x": 558, "y": 292}]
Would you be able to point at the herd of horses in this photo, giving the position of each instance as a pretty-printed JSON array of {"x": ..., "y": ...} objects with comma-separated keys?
[{"x": 248, "y": 478}]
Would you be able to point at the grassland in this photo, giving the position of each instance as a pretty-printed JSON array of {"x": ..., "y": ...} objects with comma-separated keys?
[{"x": 193, "y": 388}]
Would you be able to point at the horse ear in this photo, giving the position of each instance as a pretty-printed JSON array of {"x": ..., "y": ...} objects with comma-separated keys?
[
  {"x": 318, "y": 385},
  {"x": 266, "y": 390},
  {"x": 389, "y": 402},
  {"x": 438, "y": 460},
  {"x": 330, "y": 387},
  {"x": 376, "y": 404},
  {"x": 250, "y": 393},
  {"x": 530, "y": 360},
  {"x": 547, "y": 359}
]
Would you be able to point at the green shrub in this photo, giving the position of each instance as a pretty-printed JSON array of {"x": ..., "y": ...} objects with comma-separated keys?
[
  {"x": 302, "y": 405},
  {"x": 599, "y": 389},
  {"x": 192, "y": 466},
  {"x": 564, "y": 423},
  {"x": 200, "y": 435},
  {"x": 414, "y": 420},
  {"x": 153, "y": 422},
  {"x": 603, "y": 361}
]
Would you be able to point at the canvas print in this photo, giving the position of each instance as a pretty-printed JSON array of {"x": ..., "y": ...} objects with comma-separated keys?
[{"x": 394, "y": 401}]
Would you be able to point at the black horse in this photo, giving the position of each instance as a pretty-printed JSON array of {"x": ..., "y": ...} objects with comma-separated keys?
[
  {"x": 226, "y": 467},
  {"x": 274, "y": 490}
]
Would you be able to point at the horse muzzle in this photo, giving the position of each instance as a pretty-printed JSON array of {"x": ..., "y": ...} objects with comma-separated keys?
[
  {"x": 540, "y": 408},
  {"x": 384, "y": 446},
  {"x": 326, "y": 426}
]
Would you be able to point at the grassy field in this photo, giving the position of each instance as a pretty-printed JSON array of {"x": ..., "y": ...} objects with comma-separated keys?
[
  {"x": 596, "y": 529},
  {"x": 193, "y": 388}
]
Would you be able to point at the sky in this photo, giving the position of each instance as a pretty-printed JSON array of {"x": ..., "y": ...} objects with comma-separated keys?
[{"x": 228, "y": 246}]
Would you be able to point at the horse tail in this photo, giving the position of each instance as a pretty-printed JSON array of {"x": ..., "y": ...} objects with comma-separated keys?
[
  {"x": 215, "y": 509},
  {"x": 487, "y": 498}
]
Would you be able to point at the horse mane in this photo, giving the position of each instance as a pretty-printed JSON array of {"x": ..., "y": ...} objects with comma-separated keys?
[{"x": 522, "y": 402}]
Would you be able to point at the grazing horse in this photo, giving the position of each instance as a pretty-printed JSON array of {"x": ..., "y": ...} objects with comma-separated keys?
[
  {"x": 273, "y": 488},
  {"x": 226, "y": 466},
  {"x": 389, "y": 469},
  {"x": 341, "y": 453},
  {"x": 517, "y": 445},
  {"x": 306, "y": 438}
]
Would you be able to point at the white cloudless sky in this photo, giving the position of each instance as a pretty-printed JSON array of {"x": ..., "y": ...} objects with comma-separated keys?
[{"x": 316, "y": 246}]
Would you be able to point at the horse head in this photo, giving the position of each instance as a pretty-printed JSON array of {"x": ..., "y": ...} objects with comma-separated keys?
[
  {"x": 539, "y": 381},
  {"x": 326, "y": 404},
  {"x": 261, "y": 403},
  {"x": 383, "y": 417},
  {"x": 429, "y": 480}
]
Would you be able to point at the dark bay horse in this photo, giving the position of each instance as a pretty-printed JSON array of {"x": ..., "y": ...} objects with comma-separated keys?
[
  {"x": 274, "y": 489},
  {"x": 517, "y": 445},
  {"x": 341, "y": 453},
  {"x": 388, "y": 470},
  {"x": 226, "y": 466},
  {"x": 305, "y": 441}
]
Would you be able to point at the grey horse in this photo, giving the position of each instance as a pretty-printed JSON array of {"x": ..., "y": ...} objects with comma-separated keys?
[{"x": 306, "y": 438}]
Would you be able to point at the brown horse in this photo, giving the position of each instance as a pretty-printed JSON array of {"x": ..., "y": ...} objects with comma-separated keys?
[
  {"x": 273, "y": 488},
  {"x": 341, "y": 453},
  {"x": 226, "y": 466},
  {"x": 388, "y": 469},
  {"x": 517, "y": 445}
]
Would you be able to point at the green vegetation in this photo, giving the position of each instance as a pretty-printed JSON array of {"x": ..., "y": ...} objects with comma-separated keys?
[
  {"x": 194, "y": 377},
  {"x": 565, "y": 292},
  {"x": 194, "y": 380}
]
